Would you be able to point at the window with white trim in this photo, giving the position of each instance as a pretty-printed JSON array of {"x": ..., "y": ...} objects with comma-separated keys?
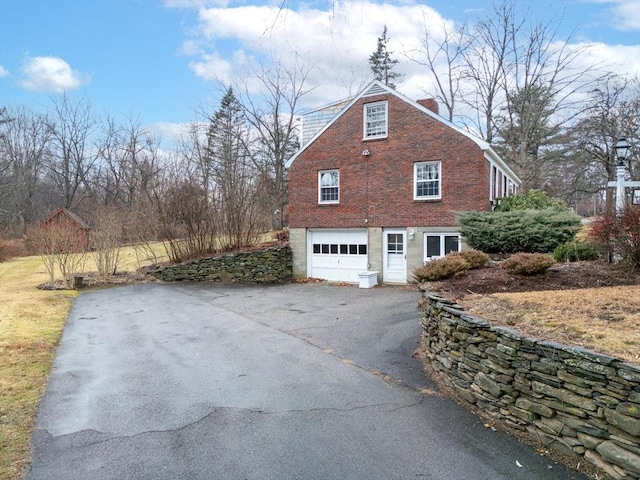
[
  {"x": 375, "y": 120},
  {"x": 437, "y": 245},
  {"x": 328, "y": 186},
  {"x": 426, "y": 180}
]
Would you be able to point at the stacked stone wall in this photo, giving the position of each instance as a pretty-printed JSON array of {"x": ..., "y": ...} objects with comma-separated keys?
[
  {"x": 272, "y": 265},
  {"x": 575, "y": 401}
]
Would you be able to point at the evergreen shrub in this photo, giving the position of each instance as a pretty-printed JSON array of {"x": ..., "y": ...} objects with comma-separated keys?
[
  {"x": 529, "y": 231},
  {"x": 575, "y": 251},
  {"x": 530, "y": 200}
]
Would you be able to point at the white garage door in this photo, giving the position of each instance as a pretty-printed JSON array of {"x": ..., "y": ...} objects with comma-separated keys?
[{"x": 337, "y": 255}]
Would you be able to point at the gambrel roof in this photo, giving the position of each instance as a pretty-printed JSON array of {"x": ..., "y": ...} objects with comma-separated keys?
[{"x": 377, "y": 88}]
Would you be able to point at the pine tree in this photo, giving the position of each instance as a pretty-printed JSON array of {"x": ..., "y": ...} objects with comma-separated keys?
[
  {"x": 382, "y": 64},
  {"x": 229, "y": 160}
]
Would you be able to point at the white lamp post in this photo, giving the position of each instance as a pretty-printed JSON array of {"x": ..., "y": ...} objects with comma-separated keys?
[{"x": 622, "y": 150}]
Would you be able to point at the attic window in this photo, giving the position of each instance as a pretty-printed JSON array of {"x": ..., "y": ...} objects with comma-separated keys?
[{"x": 375, "y": 120}]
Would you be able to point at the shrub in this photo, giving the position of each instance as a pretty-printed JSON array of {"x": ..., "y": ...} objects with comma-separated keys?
[
  {"x": 441, "y": 268},
  {"x": 619, "y": 234},
  {"x": 11, "y": 248},
  {"x": 575, "y": 251},
  {"x": 530, "y": 200},
  {"x": 282, "y": 236},
  {"x": 530, "y": 231},
  {"x": 475, "y": 258},
  {"x": 528, "y": 263}
]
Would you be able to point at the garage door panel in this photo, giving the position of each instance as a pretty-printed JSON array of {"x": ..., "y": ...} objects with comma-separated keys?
[{"x": 338, "y": 255}]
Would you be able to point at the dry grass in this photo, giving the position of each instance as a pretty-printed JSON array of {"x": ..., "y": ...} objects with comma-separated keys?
[
  {"x": 605, "y": 319},
  {"x": 31, "y": 323}
]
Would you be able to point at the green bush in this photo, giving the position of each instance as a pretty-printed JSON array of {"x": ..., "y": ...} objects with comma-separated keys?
[
  {"x": 575, "y": 251},
  {"x": 530, "y": 231},
  {"x": 531, "y": 200},
  {"x": 475, "y": 258},
  {"x": 528, "y": 263},
  {"x": 441, "y": 268}
]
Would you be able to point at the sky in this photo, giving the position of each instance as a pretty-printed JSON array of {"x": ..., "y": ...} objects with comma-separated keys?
[{"x": 161, "y": 60}]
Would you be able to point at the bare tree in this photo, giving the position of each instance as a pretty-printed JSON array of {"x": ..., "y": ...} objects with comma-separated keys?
[
  {"x": 272, "y": 117},
  {"x": 60, "y": 249},
  {"x": 105, "y": 239},
  {"x": 613, "y": 114},
  {"x": 72, "y": 127},
  {"x": 128, "y": 163},
  {"x": 542, "y": 97},
  {"x": 487, "y": 59},
  {"x": 25, "y": 143},
  {"x": 442, "y": 56}
]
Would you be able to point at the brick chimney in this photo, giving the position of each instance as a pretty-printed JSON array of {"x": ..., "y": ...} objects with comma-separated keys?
[{"x": 431, "y": 104}]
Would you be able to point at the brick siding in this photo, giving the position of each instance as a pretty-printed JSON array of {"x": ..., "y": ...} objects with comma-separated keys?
[{"x": 377, "y": 190}]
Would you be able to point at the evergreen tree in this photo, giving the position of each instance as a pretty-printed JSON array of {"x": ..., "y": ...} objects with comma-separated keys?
[
  {"x": 382, "y": 64},
  {"x": 229, "y": 161}
]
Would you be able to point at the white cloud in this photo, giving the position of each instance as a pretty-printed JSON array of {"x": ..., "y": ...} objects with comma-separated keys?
[
  {"x": 3, "y": 72},
  {"x": 212, "y": 67},
  {"x": 230, "y": 43},
  {"x": 626, "y": 14},
  {"x": 50, "y": 74},
  {"x": 336, "y": 42},
  {"x": 167, "y": 129},
  {"x": 621, "y": 59}
]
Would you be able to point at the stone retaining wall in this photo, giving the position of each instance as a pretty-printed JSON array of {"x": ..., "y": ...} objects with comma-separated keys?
[
  {"x": 575, "y": 401},
  {"x": 271, "y": 265}
]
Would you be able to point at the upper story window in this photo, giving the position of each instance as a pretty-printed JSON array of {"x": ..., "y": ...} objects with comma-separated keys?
[
  {"x": 328, "y": 186},
  {"x": 427, "y": 180},
  {"x": 375, "y": 120}
]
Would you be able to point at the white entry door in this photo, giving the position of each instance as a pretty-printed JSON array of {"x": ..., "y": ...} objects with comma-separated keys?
[{"x": 395, "y": 256}]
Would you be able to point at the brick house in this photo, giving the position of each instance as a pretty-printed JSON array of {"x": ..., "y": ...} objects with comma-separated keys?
[{"x": 377, "y": 187}]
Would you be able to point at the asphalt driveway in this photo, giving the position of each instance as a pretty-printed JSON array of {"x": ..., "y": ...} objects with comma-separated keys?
[{"x": 303, "y": 381}]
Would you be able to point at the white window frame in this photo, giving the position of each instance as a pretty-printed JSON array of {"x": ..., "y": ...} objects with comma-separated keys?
[
  {"x": 320, "y": 187},
  {"x": 415, "y": 181},
  {"x": 442, "y": 236},
  {"x": 373, "y": 133}
]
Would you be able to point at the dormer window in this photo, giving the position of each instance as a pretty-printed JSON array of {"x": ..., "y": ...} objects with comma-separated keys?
[{"x": 375, "y": 120}]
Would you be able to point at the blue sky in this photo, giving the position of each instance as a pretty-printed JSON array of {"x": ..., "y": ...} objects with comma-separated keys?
[{"x": 160, "y": 60}]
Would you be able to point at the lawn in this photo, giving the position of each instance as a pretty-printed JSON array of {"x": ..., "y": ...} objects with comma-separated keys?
[{"x": 31, "y": 323}]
